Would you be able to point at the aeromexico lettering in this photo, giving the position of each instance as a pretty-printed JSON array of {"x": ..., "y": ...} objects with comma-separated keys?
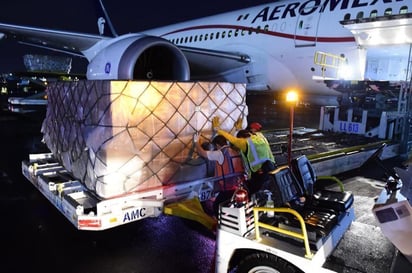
[{"x": 312, "y": 6}]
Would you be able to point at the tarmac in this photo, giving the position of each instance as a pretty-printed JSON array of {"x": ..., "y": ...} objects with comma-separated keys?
[
  {"x": 37, "y": 238},
  {"x": 363, "y": 248}
]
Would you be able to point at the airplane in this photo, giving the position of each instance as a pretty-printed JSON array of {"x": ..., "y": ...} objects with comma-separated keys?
[{"x": 278, "y": 46}]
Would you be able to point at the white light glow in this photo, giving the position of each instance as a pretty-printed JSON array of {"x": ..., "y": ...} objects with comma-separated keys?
[{"x": 345, "y": 72}]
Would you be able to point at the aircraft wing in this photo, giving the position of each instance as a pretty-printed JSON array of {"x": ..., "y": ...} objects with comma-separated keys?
[
  {"x": 68, "y": 42},
  {"x": 204, "y": 63}
]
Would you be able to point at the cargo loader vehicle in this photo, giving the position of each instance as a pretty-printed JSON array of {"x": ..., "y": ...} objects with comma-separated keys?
[{"x": 297, "y": 234}]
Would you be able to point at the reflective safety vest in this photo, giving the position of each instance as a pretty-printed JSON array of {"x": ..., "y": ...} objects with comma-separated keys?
[
  {"x": 231, "y": 169},
  {"x": 258, "y": 152}
]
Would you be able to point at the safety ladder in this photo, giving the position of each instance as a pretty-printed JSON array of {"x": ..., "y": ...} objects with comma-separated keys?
[{"x": 325, "y": 60}]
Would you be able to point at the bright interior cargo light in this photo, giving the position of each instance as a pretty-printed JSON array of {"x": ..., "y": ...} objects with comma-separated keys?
[{"x": 345, "y": 72}]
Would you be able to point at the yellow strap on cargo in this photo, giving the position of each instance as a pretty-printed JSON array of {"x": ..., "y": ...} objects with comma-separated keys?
[{"x": 191, "y": 209}]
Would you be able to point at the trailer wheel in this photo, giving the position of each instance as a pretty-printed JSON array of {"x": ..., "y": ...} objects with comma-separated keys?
[{"x": 265, "y": 263}]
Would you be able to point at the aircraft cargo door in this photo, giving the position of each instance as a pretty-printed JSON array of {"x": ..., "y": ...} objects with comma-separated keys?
[{"x": 307, "y": 26}]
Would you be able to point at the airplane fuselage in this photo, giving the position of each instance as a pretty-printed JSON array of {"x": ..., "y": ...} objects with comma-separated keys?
[
  {"x": 281, "y": 39},
  {"x": 288, "y": 44}
]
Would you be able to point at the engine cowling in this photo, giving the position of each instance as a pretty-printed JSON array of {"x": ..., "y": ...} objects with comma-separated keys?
[{"x": 139, "y": 57}]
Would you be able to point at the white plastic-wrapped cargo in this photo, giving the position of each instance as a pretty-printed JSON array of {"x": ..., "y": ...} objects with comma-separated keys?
[{"x": 119, "y": 137}]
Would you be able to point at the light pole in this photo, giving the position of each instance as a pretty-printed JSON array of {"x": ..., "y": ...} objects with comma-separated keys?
[{"x": 291, "y": 99}]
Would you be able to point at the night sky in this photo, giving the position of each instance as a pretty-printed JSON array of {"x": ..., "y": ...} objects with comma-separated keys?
[{"x": 78, "y": 15}]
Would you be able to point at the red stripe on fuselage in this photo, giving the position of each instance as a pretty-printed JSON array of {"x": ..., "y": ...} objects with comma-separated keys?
[{"x": 268, "y": 32}]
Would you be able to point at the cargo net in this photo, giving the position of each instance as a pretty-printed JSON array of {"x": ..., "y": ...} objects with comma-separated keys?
[{"x": 119, "y": 137}]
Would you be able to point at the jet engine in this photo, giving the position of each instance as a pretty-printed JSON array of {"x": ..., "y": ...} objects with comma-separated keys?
[{"x": 137, "y": 57}]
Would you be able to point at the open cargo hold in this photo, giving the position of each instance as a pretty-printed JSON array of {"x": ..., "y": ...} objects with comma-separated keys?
[{"x": 119, "y": 137}]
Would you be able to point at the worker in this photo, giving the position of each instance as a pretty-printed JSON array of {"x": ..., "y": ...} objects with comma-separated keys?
[
  {"x": 256, "y": 153},
  {"x": 255, "y": 127},
  {"x": 229, "y": 168}
]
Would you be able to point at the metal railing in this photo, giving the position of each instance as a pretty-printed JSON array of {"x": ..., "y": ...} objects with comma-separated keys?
[{"x": 303, "y": 236}]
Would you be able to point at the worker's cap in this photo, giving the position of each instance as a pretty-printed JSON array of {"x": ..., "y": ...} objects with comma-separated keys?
[{"x": 256, "y": 126}]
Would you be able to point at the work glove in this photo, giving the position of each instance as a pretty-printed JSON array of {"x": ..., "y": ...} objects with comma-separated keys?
[
  {"x": 238, "y": 124},
  {"x": 215, "y": 123},
  {"x": 196, "y": 137}
]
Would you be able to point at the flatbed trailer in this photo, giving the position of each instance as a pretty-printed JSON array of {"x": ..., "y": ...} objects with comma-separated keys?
[{"x": 86, "y": 211}]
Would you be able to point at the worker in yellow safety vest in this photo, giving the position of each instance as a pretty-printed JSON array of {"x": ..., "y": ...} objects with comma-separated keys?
[{"x": 256, "y": 152}]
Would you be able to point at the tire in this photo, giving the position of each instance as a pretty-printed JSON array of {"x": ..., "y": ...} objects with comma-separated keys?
[{"x": 265, "y": 263}]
